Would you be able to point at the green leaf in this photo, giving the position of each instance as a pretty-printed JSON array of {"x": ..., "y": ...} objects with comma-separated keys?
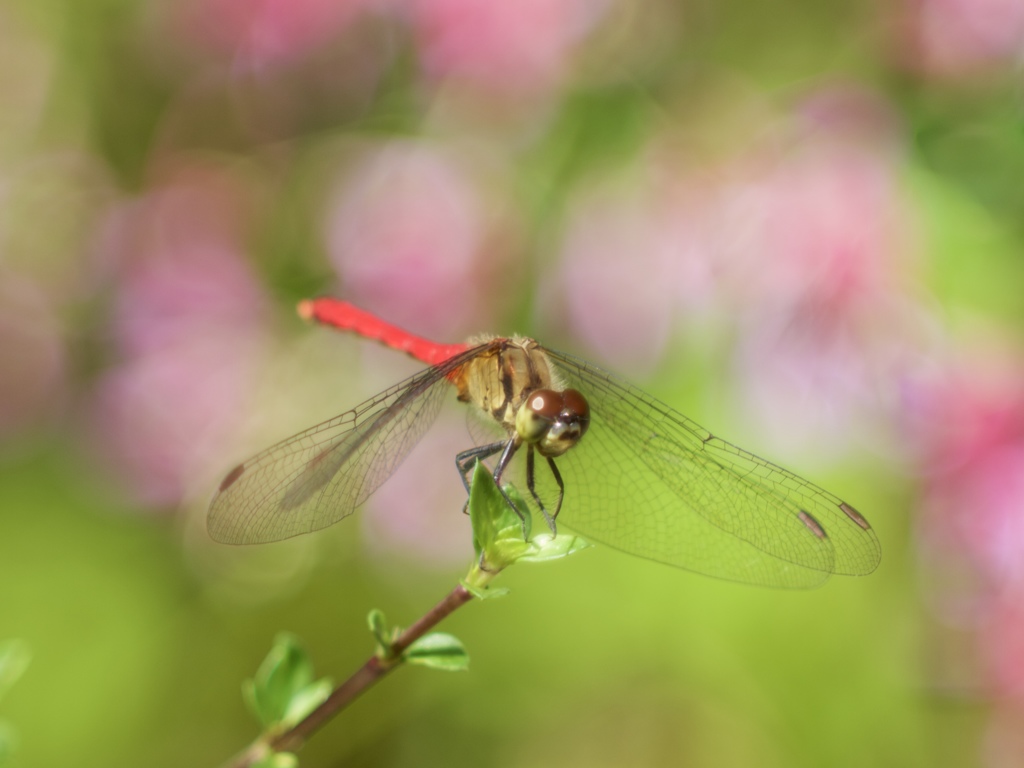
[
  {"x": 283, "y": 690},
  {"x": 378, "y": 626},
  {"x": 510, "y": 521},
  {"x": 15, "y": 656},
  {"x": 490, "y": 514},
  {"x": 547, "y": 547},
  {"x": 486, "y": 506},
  {"x": 438, "y": 650},
  {"x": 498, "y": 533},
  {"x": 308, "y": 699},
  {"x": 497, "y": 529}
]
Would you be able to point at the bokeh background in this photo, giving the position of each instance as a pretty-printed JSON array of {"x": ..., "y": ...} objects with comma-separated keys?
[{"x": 801, "y": 223}]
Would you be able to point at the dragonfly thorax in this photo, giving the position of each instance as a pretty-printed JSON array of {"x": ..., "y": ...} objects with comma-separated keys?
[{"x": 512, "y": 381}]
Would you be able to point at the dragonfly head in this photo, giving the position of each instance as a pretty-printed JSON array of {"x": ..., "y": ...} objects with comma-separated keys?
[{"x": 553, "y": 421}]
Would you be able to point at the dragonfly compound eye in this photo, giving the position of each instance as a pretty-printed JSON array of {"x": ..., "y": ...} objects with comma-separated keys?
[
  {"x": 567, "y": 425},
  {"x": 575, "y": 406},
  {"x": 537, "y": 414}
]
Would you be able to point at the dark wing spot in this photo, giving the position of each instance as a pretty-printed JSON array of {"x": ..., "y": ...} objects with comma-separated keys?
[
  {"x": 812, "y": 524},
  {"x": 854, "y": 515},
  {"x": 232, "y": 476}
]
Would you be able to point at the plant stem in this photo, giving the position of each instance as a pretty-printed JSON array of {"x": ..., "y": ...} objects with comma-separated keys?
[{"x": 367, "y": 675}]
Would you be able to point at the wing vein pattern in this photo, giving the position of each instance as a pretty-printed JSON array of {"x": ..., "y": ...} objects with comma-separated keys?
[
  {"x": 651, "y": 482},
  {"x": 318, "y": 477}
]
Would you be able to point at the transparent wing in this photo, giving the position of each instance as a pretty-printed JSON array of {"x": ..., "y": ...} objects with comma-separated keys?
[
  {"x": 649, "y": 481},
  {"x": 318, "y": 477}
]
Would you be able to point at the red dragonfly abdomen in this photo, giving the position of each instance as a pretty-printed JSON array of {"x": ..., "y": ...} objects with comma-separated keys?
[{"x": 343, "y": 315}]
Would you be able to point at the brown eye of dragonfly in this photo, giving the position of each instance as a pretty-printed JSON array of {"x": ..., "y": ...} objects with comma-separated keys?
[
  {"x": 546, "y": 403},
  {"x": 553, "y": 421},
  {"x": 537, "y": 414},
  {"x": 576, "y": 408}
]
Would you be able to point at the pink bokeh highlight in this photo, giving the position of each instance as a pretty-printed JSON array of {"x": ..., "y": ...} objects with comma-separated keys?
[
  {"x": 823, "y": 218},
  {"x": 626, "y": 258},
  {"x": 521, "y": 46},
  {"x": 818, "y": 262},
  {"x": 798, "y": 253},
  {"x": 188, "y": 326},
  {"x": 959, "y": 39},
  {"x": 968, "y": 421},
  {"x": 413, "y": 237},
  {"x": 970, "y": 425},
  {"x": 264, "y": 33}
]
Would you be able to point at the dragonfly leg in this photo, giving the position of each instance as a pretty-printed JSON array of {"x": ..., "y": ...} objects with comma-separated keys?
[
  {"x": 464, "y": 461},
  {"x": 506, "y": 456},
  {"x": 561, "y": 491},
  {"x": 531, "y": 485}
]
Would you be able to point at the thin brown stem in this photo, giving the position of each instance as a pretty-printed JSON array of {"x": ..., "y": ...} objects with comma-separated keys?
[{"x": 366, "y": 676}]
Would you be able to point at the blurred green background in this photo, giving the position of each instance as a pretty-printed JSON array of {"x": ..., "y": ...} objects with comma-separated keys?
[{"x": 799, "y": 223}]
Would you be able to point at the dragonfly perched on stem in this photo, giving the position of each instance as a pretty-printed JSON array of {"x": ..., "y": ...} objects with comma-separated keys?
[{"x": 592, "y": 452}]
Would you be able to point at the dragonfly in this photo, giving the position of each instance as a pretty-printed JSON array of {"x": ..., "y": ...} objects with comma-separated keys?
[{"x": 593, "y": 453}]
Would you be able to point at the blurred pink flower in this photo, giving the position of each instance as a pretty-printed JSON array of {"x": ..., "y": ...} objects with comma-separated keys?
[
  {"x": 189, "y": 322},
  {"x": 32, "y": 357},
  {"x": 411, "y": 238},
  {"x": 823, "y": 220},
  {"x": 162, "y": 417},
  {"x": 955, "y": 38},
  {"x": 521, "y": 46},
  {"x": 970, "y": 425},
  {"x": 815, "y": 381},
  {"x": 257, "y": 33},
  {"x": 818, "y": 254},
  {"x": 624, "y": 261},
  {"x": 968, "y": 421},
  {"x": 805, "y": 245}
]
